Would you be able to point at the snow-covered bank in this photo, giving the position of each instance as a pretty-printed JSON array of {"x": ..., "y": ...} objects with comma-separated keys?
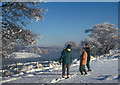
[
  {"x": 23, "y": 57},
  {"x": 105, "y": 70}
]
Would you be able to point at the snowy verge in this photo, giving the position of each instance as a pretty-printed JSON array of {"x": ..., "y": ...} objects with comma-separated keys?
[
  {"x": 18, "y": 55},
  {"x": 104, "y": 70}
]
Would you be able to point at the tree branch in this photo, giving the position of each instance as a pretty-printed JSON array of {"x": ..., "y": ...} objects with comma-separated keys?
[{"x": 5, "y": 5}]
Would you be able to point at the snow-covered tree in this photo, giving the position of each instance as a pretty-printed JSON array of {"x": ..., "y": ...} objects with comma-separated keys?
[
  {"x": 15, "y": 16},
  {"x": 103, "y": 37},
  {"x": 76, "y": 49},
  {"x": 38, "y": 51},
  {"x": 118, "y": 41},
  {"x": 72, "y": 43},
  {"x": 31, "y": 50}
]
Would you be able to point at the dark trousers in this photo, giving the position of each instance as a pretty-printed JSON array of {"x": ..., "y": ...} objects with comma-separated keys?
[
  {"x": 88, "y": 65},
  {"x": 82, "y": 69},
  {"x": 64, "y": 66}
]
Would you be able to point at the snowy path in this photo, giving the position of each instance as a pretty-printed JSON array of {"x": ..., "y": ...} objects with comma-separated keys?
[{"x": 105, "y": 71}]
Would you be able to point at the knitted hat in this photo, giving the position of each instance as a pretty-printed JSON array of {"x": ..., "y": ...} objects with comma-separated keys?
[{"x": 69, "y": 46}]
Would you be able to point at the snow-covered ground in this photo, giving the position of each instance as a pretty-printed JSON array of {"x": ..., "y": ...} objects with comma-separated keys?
[
  {"x": 18, "y": 55},
  {"x": 104, "y": 70}
]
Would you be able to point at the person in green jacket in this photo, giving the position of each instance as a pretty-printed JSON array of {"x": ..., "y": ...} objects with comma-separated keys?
[{"x": 66, "y": 60}]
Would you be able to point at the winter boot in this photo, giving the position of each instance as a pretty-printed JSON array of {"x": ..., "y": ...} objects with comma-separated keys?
[
  {"x": 68, "y": 76},
  {"x": 85, "y": 74},
  {"x": 81, "y": 73},
  {"x": 63, "y": 76},
  {"x": 89, "y": 70}
]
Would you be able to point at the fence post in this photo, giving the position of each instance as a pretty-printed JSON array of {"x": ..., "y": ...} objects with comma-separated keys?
[
  {"x": 23, "y": 67},
  {"x": 37, "y": 63},
  {"x": 49, "y": 62},
  {"x": 96, "y": 57},
  {"x": 17, "y": 67}
]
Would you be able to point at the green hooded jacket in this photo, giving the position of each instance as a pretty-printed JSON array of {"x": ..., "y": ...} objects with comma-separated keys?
[{"x": 66, "y": 57}]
